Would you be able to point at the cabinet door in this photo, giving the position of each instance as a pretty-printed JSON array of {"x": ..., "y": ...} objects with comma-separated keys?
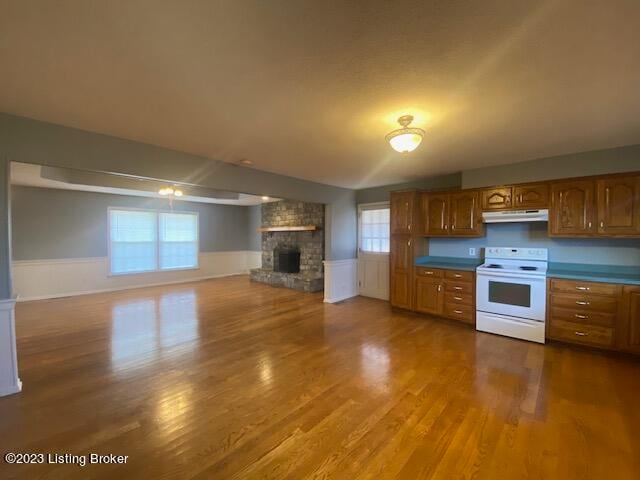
[
  {"x": 402, "y": 211},
  {"x": 628, "y": 331},
  {"x": 422, "y": 214},
  {"x": 401, "y": 263},
  {"x": 497, "y": 198},
  {"x": 438, "y": 214},
  {"x": 572, "y": 208},
  {"x": 465, "y": 214},
  {"x": 429, "y": 295},
  {"x": 531, "y": 196},
  {"x": 619, "y": 206}
]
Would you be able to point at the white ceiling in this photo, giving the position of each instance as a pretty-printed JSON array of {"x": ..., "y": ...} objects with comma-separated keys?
[
  {"x": 309, "y": 88},
  {"x": 30, "y": 176}
]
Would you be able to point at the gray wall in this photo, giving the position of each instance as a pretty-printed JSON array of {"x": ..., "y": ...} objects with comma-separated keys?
[
  {"x": 255, "y": 222},
  {"x": 381, "y": 194},
  {"x": 604, "y": 251},
  {"x": 596, "y": 162},
  {"x": 52, "y": 224},
  {"x": 40, "y": 143}
]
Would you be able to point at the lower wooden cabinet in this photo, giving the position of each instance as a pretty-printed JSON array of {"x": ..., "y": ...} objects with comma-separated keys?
[
  {"x": 447, "y": 293},
  {"x": 429, "y": 295},
  {"x": 629, "y": 321},
  {"x": 401, "y": 271},
  {"x": 602, "y": 315}
]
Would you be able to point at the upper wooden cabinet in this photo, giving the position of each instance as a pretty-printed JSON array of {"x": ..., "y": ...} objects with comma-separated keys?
[
  {"x": 464, "y": 214},
  {"x": 434, "y": 214},
  {"x": 450, "y": 214},
  {"x": 618, "y": 200},
  {"x": 497, "y": 198},
  {"x": 531, "y": 196},
  {"x": 402, "y": 211},
  {"x": 572, "y": 211},
  {"x": 516, "y": 197}
]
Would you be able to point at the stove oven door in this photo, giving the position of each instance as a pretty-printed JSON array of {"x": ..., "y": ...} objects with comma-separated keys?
[{"x": 512, "y": 294}]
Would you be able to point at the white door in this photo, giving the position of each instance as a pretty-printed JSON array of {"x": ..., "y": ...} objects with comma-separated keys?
[{"x": 373, "y": 250}]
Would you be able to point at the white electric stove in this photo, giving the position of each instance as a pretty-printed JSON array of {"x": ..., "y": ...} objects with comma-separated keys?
[{"x": 511, "y": 292}]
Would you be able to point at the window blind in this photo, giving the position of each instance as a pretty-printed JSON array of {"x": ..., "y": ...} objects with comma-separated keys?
[{"x": 147, "y": 241}]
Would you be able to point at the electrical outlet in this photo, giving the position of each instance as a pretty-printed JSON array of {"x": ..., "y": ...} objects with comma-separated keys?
[{"x": 472, "y": 252}]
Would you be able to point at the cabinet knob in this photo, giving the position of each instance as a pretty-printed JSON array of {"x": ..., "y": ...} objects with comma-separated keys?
[
  {"x": 589, "y": 225},
  {"x": 457, "y": 288},
  {"x": 583, "y": 288},
  {"x": 583, "y": 317},
  {"x": 582, "y": 334},
  {"x": 457, "y": 275},
  {"x": 439, "y": 288},
  {"x": 459, "y": 312},
  {"x": 601, "y": 224},
  {"x": 457, "y": 298},
  {"x": 579, "y": 302}
]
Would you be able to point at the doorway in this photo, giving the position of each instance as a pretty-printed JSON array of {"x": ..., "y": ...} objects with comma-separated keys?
[{"x": 373, "y": 250}]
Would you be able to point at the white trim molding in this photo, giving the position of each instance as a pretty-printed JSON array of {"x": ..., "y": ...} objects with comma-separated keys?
[
  {"x": 340, "y": 280},
  {"x": 9, "y": 381},
  {"x": 54, "y": 278}
]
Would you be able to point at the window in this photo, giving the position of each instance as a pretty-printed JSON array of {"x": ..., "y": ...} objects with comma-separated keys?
[
  {"x": 148, "y": 241},
  {"x": 374, "y": 229}
]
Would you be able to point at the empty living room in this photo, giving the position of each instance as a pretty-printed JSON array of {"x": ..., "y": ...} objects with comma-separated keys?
[{"x": 320, "y": 240}]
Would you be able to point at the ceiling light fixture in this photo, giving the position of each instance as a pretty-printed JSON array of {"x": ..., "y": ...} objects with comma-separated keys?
[
  {"x": 405, "y": 139},
  {"x": 169, "y": 191},
  {"x": 265, "y": 198}
]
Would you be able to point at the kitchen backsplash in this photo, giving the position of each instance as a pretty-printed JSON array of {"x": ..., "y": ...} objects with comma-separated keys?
[{"x": 603, "y": 251}]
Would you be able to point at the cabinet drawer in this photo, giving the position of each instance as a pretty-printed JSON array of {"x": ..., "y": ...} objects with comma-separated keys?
[
  {"x": 459, "y": 275},
  {"x": 583, "y": 316},
  {"x": 572, "y": 286},
  {"x": 458, "y": 298},
  {"x": 466, "y": 313},
  {"x": 584, "y": 302},
  {"x": 458, "y": 287},
  {"x": 429, "y": 272},
  {"x": 579, "y": 333}
]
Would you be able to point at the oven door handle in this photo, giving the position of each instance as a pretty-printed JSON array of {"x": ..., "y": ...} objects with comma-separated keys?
[{"x": 531, "y": 278}]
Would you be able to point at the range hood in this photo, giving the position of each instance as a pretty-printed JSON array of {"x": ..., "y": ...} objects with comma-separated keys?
[{"x": 516, "y": 216}]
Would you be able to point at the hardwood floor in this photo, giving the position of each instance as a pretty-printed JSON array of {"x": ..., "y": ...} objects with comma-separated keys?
[{"x": 230, "y": 379}]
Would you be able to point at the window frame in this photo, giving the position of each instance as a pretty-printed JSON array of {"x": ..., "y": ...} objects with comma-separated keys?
[
  {"x": 157, "y": 213},
  {"x": 372, "y": 206}
]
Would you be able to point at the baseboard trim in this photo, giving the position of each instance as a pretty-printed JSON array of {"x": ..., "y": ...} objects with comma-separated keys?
[
  {"x": 128, "y": 287},
  {"x": 340, "y": 280}
]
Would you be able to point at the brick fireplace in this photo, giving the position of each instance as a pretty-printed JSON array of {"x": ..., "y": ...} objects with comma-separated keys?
[{"x": 308, "y": 244}]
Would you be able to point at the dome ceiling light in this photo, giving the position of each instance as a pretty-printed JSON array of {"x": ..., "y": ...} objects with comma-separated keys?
[{"x": 405, "y": 139}]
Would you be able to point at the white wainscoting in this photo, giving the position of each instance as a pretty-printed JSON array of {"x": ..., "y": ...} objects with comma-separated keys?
[
  {"x": 40, "y": 279},
  {"x": 340, "y": 280},
  {"x": 9, "y": 381}
]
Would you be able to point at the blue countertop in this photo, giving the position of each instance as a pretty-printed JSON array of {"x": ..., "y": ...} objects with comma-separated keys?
[
  {"x": 595, "y": 273},
  {"x": 449, "y": 263}
]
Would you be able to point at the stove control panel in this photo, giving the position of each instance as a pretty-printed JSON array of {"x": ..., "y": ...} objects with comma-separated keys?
[{"x": 516, "y": 253}]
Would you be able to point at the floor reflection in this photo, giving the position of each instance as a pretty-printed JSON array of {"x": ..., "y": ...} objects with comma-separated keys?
[
  {"x": 144, "y": 330},
  {"x": 375, "y": 366}
]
